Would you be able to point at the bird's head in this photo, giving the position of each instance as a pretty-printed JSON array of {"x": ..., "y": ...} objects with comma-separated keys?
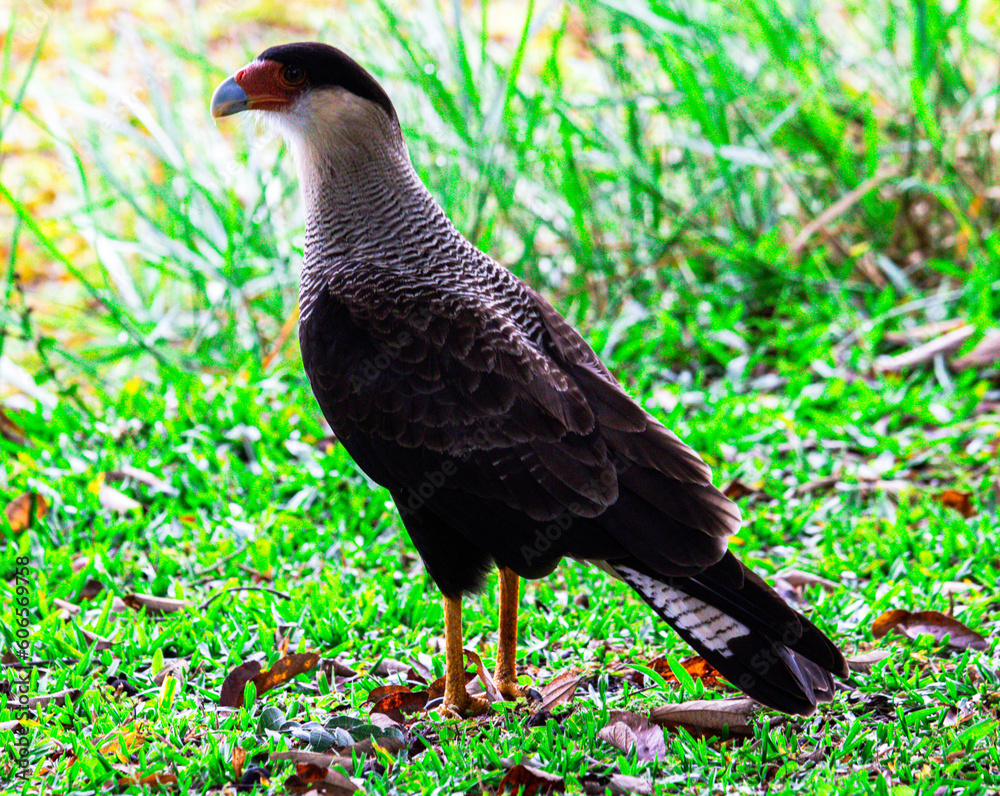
[{"x": 318, "y": 98}]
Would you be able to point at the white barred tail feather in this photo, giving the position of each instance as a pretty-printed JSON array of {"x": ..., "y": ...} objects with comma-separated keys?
[{"x": 746, "y": 631}]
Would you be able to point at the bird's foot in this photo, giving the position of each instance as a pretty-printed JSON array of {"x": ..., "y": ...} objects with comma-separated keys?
[
  {"x": 508, "y": 688},
  {"x": 464, "y": 705}
]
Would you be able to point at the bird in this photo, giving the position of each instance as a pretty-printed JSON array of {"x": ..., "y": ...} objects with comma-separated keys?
[{"x": 502, "y": 437}]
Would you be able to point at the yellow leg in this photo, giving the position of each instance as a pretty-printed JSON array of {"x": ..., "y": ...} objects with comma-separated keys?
[
  {"x": 456, "y": 698},
  {"x": 506, "y": 671}
]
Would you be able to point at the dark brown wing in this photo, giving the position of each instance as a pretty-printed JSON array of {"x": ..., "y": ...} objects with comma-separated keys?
[
  {"x": 513, "y": 409},
  {"x": 415, "y": 377}
]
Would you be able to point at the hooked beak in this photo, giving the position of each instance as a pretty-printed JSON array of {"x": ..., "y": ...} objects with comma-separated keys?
[{"x": 229, "y": 98}]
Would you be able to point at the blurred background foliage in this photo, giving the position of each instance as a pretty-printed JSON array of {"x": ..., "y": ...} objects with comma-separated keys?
[{"x": 695, "y": 183}]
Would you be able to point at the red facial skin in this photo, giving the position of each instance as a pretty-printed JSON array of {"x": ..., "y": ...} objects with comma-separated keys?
[{"x": 267, "y": 85}]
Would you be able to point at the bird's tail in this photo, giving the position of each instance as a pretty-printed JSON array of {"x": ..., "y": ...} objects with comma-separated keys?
[{"x": 743, "y": 628}]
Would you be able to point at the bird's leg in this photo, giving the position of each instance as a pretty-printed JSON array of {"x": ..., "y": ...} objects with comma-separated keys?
[
  {"x": 505, "y": 676},
  {"x": 456, "y": 698}
]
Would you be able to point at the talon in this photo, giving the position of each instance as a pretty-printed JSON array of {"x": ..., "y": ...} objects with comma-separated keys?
[
  {"x": 510, "y": 690},
  {"x": 466, "y": 708}
]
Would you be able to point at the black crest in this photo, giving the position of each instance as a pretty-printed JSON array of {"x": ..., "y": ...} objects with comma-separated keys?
[{"x": 327, "y": 66}]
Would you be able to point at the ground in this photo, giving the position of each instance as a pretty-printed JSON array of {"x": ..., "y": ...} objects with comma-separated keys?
[{"x": 726, "y": 206}]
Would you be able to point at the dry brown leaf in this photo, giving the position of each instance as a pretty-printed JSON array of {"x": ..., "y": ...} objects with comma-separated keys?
[
  {"x": 239, "y": 758},
  {"x": 20, "y": 510},
  {"x": 985, "y": 354},
  {"x": 285, "y": 669},
  {"x": 101, "y": 642},
  {"x": 696, "y": 666},
  {"x": 707, "y": 716},
  {"x": 388, "y": 666},
  {"x": 559, "y": 691},
  {"x": 529, "y": 781},
  {"x": 319, "y": 759},
  {"x": 492, "y": 695},
  {"x": 394, "y": 705},
  {"x": 616, "y": 784},
  {"x": 921, "y": 333},
  {"x": 66, "y": 610},
  {"x": 235, "y": 683},
  {"x": 384, "y": 691},
  {"x": 960, "y": 501},
  {"x": 626, "y": 730},
  {"x": 123, "y": 744},
  {"x": 155, "y": 606},
  {"x": 91, "y": 589},
  {"x": 947, "y": 343},
  {"x": 172, "y": 667},
  {"x": 56, "y": 698},
  {"x": 798, "y": 578},
  {"x": 11, "y": 431},
  {"x": 309, "y": 777},
  {"x": 864, "y": 662},
  {"x": 736, "y": 489},
  {"x": 113, "y": 500},
  {"x": 933, "y": 623},
  {"x": 155, "y": 483},
  {"x": 153, "y": 781}
]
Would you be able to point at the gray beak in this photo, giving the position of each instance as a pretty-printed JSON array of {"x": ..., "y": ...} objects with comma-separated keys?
[{"x": 229, "y": 98}]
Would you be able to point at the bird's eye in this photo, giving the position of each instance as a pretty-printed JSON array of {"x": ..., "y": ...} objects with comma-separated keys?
[{"x": 294, "y": 75}]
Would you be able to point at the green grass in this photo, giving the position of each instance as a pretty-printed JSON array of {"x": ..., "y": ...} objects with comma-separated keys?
[{"x": 653, "y": 171}]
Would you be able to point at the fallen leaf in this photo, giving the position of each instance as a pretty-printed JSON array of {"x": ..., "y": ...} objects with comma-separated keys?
[
  {"x": 309, "y": 777},
  {"x": 239, "y": 758},
  {"x": 960, "y": 501},
  {"x": 66, "y": 610},
  {"x": 123, "y": 744},
  {"x": 922, "y": 332},
  {"x": 155, "y": 606},
  {"x": 736, "y": 489},
  {"x": 101, "y": 643},
  {"x": 864, "y": 662},
  {"x": 528, "y": 781},
  {"x": 627, "y": 731},
  {"x": 492, "y": 695},
  {"x": 985, "y": 354},
  {"x": 11, "y": 431},
  {"x": 155, "y": 483},
  {"x": 113, "y": 500},
  {"x": 388, "y": 666},
  {"x": 616, "y": 784},
  {"x": 235, "y": 683},
  {"x": 703, "y": 717},
  {"x": 284, "y": 670},
  {"x": 799, "y": 578},
  {"x": 20, "y": 510},
  {"x": 156, "y": 780},
  {"x": 56, "y": 698},
  {"x": 947, "y": 343},
  {"x": 559, "y": 691},
  {"x": 933, "y": 623},
  {"x": 396, "y": 704},
  {"x": 696, "y": 666},
  {"x": 319, "y": 759},
  {"x": 91, "y": 589},
  {"x": 384, "y": 690},
  {"x": 172, "y": 667}
]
